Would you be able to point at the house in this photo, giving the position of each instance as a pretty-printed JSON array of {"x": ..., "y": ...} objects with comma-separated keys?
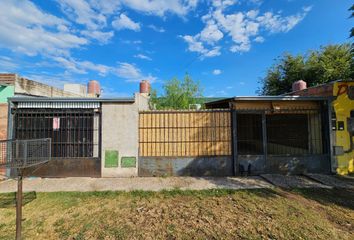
[
  {"x": 341, "y": 96},
  {"x": 13, "y": 85},
  {"x": 279, "y": 134}
]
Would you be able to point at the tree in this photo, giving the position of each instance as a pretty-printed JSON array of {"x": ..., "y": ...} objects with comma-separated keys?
[
  {"x": 177, "y": 94},
  {"x": 329, "y": 63}
]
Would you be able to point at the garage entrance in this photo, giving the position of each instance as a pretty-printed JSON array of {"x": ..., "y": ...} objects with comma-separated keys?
[
  {"x": 75, "y": 138},
  {"x": 284, "y": 141}
]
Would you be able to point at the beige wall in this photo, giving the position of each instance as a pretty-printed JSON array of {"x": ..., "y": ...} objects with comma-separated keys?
[
  {"x": 3, "y": 129},
  {"x": 3, "y": 120},
  {"x": 120, "y": 133},
  {"x": 29, "y": 87}
]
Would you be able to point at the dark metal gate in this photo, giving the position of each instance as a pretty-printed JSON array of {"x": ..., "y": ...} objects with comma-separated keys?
[
  {"x": 287, "y": 141},
  {"x": 75, "y": 139}
]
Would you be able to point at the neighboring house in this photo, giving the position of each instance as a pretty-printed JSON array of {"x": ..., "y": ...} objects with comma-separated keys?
[
  {"x": 341, "y": 95},
  {"x": 13, "y": 85},
  {"x": 278, "y": 134}
]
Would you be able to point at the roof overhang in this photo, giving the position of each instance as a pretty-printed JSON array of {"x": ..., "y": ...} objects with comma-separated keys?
[{"x": 47, "y": 102}]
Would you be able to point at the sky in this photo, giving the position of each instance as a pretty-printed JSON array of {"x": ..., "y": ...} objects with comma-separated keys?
[{"x": 225, "y": 45}]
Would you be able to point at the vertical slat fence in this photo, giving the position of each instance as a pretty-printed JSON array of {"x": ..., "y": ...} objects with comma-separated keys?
[{"x": 185, "y": 133}]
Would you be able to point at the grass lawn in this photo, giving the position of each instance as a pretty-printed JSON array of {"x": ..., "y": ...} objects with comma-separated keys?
[{"x": 211, "y": 214}]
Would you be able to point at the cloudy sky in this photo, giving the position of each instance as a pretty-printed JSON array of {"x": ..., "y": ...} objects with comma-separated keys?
[{"x": 227, "y": 45}]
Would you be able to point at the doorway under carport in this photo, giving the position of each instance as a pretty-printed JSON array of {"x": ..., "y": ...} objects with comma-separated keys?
[{"x": 279, "y": 134}]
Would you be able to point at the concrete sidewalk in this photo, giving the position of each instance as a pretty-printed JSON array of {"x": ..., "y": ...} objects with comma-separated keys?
[{"x": 129, "y": 184}]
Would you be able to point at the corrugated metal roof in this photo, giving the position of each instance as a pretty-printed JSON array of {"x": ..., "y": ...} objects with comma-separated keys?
[
  {"x": 66, "y": 99},
  {"x": 270, "y": 98},
  {"x": 58, "y": 105},
  {"x": 46, "y": 102}
]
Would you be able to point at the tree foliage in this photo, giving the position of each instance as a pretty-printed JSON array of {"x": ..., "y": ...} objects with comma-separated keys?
[
  {"x": 177, "y": 94},
  {"x": 329, "y": 63}
]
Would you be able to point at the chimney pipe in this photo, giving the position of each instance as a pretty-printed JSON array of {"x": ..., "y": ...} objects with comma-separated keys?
[
  {"x": 94, "y": 88},
  {"x": 299, "y": 85},
  {"x": 145, "y": 87}
]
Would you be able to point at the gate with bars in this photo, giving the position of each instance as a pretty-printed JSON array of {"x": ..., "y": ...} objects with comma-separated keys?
[{"x": 74, "y": 130}]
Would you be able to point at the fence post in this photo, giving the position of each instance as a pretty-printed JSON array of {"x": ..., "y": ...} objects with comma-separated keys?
[{"x": 234, "y": 140}]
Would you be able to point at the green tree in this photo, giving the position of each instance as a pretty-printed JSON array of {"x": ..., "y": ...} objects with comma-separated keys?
[
  {"x": 177, "y": 94},
  {"x": 329, "y": 63}
]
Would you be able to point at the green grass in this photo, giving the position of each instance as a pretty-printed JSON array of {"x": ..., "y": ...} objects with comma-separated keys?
[{"x": 177, "y": 214}]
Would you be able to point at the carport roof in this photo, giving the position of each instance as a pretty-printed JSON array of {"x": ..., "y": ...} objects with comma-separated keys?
[
  {"x": 66, "y": 99},
  {"x": 265, "y": 98}
]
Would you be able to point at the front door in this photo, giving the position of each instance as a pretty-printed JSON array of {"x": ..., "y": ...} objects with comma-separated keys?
[{"x": 250, "y": 144}]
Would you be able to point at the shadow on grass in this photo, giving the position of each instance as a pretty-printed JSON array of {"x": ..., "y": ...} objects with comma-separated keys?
[
  {"x": 338, "y": 196},
  {"x": 8, "y": 200}
]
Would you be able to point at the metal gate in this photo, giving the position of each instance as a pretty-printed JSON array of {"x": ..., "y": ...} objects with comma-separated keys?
[
  {"x": 75, "y": 139},
  {"x": 287, "y": 141}
]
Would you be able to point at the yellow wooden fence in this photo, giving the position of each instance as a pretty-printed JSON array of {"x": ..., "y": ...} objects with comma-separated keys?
[{"x": 185, "y": 133}]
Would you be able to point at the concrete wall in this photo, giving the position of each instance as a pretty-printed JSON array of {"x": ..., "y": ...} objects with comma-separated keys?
[
  {"x": 185, "y": 166},
  {"x": 120, "y": 133},
  {"x": 74, "y": 88},
  {"x": 24, "y": 86}
]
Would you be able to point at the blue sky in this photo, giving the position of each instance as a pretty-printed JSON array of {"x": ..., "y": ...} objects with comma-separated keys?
[{"x": 226, "y": 45}]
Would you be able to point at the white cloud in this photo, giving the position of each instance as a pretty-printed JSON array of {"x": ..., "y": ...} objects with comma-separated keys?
[
  {"x": 92, "y": 14},
  {"x": 7, "y": 64},
  {"x": 82, "y": 67},
  {"x": 276, "y": 23},
  {"x": 243, "y": 28},
  {"x": 131, "y": 73},
  {"x": 217, "y": 71},
  {"x": 26, "y": 29},
  {"x": 259, "y": 39},
  {"x": 81, "y": 12},
  {"x": 142, "y": 56},
  {"x": 106, "y": 7},
  {"x": 156, "y": 29},
  {"x": 211, "y": 33},
  {"x": 195, "y": 45},
  {"x": 161, "y": 7},
  {"x": 124, "y": 22},
  {"x": 101, "y": 37}
]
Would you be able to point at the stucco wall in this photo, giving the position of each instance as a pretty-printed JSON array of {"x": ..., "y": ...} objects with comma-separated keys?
[
  {"x": 3, "y": 120},
  {"x": 120, "y": 133}
]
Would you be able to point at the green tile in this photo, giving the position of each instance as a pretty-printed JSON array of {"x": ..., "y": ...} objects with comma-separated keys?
[
  {"x": 128, "y": 162},
  {"x": 111, "y": 158}
]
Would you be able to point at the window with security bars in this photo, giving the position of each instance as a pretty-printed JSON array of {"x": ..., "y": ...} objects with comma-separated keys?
[{"x": 74, "y": 132}]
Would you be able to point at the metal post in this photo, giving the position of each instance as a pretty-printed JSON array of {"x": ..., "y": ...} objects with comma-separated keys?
[
  {"x": 19, "y": 206},
  {"x": 265, "y": 146},
  {"x": 234, "y": 140}
]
